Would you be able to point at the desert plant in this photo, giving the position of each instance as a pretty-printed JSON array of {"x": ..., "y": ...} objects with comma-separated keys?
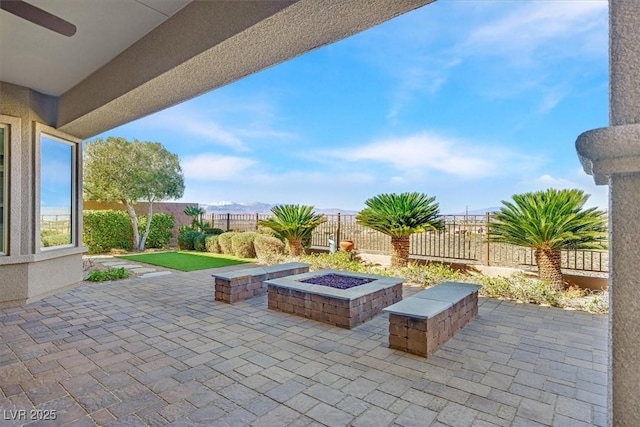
[
  {"x": 266, "y": 246},
  {"x": 399, "y": 216},
  {"x": 294, "y": 223},
  {"x": 520, "y": 288},
  {"x": 108, "y": 274},
  {"x": 549, "y": 221},
  {"x": 212, "y": 245},
  {"x": 242, "y": 245},
  {"x": 224, "y": 240}
]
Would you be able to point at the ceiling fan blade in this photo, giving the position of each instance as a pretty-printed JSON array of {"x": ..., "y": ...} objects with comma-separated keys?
[{"x": 38, "y": 16}]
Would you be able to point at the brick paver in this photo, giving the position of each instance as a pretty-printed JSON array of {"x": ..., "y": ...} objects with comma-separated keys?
[{"x": 161, "y": 351}]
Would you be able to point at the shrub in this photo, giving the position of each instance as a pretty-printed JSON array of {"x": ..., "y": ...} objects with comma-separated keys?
[
  {"x": 199, "y": 242},
  {"x": 224, "y": 240},
  {"x": 340, "y": 261},
  {"x": 211, "y": 244},
  {"x": 186, "y": 239},
  {"x": 242, "y": 245},
  {"x": 54, "y": 239},
  {"x": 106, "y": 230},
  {"x": 266, "y": 246},
  {"x": 160, "y": 231},
  {"x": 215, "y": 231},
  {"x": 426, "y": 274},
  {"x": 108, "y": 274},
  {"x": 521, "y": 288}
]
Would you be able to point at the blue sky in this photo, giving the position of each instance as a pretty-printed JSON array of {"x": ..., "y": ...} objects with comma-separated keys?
[{"x": 468, "y": 101}]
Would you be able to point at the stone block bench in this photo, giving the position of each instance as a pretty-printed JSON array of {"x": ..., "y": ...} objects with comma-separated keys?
[
  {"x": 239, "y": 285},
  {"x": 423, "y": 322}
]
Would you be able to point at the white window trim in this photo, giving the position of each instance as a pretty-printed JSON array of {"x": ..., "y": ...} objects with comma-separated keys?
[{"x": 76, "y": 201}]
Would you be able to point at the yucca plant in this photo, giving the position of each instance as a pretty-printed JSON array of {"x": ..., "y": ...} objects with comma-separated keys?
[
  {"x": 549, "y": 221},
  {"x": 294, "y": 223},
  {"x": 400, "y": 216}
]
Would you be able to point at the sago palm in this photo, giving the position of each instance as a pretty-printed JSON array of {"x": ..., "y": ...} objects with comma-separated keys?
[
  {"x": 400, "y": 216},
  {"x": 549, "y": 221},
  {"x": 294, "y": 223}
]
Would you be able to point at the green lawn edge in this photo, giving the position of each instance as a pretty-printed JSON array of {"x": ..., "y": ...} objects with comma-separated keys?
[{"x": 185, "y": 260}]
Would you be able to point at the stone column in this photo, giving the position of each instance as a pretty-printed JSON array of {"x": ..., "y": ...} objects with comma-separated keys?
[{"x": 612, "y": 156}]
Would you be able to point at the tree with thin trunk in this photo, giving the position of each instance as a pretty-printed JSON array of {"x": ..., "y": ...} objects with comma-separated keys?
[
  {"x": 294, "y": 223},
  {"x": 400, "y": 216},
  {"x": 549, "y": 221},
  {"x": 128, "y": 172}
]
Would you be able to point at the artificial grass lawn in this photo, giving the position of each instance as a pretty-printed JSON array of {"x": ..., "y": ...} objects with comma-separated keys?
[{"x": 185, "y": 261}]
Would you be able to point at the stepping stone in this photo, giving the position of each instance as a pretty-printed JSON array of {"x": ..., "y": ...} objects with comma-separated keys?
[
  {"x": 156, "y": 274},
  {"x": 113, "y": 263},
  {"x": 130, "y": 266},
  {"x": 142, "y": 270}
]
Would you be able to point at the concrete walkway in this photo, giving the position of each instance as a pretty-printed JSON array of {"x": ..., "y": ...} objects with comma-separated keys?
[{"x": 160, "y": 351}]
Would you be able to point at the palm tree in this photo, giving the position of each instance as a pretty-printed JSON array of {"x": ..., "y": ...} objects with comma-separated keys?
[
  {"x": 195, "y": 212},
  {"x": 549, "y": 221},
  {"x": 399, "y": 216},
  {"x": 294, "y": 223}
]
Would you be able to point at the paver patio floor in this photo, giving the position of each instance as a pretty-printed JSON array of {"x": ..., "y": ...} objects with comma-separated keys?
[{"x": 160, "y": 351}]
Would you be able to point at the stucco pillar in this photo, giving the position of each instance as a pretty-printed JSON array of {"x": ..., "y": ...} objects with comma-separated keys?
[{"x": 612, "y": 156}]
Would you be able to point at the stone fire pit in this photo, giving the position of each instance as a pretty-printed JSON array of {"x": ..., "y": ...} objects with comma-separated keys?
[{"x": 340, "y": 307}]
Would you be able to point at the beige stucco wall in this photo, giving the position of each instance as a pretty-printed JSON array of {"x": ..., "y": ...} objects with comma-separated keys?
[{"x": 27, "y": 271}]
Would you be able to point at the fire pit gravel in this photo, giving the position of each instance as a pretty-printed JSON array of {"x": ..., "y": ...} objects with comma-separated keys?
[{"x": 337, "y": 281}]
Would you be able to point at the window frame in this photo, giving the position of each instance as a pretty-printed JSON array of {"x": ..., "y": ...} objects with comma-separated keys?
[
  {"x": 4, "y": 164},
  {"x": 76, "y": 202}
]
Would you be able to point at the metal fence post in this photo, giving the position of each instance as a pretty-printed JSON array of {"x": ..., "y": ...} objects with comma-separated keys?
[
  {"x": 257, "y": 219},
  {"x": 487, "y": 219},
  {"x": 338, "y": 230},
  {"x": 228, "y": 221}
]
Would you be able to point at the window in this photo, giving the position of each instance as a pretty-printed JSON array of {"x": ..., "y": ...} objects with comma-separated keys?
[
  {"x": 57, "y": 189},
  {"x": 3, "y": 186}
]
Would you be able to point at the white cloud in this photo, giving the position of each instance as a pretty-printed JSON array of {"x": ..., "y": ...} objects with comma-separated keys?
[
  {"x": 214, "y": 167},
  {"x": 431, "y": 152},
  {"x": 544, "y": 26},
  {"x": 599, "y": 194}
]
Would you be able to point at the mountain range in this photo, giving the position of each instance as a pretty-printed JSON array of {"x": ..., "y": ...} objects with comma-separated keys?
[{"x": 265, "y": 208}]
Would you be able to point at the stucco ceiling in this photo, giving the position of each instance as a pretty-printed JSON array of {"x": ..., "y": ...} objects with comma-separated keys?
[
  {"x": 104, "y": 29},
  {"x": 131, "y": 58}
]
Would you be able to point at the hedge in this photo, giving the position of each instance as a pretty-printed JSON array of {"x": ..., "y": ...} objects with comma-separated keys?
[
  {"x": 242, "y": 245},
  {"x": 111, "y": 229},
  {"x": 106, "y": 230},
  {"x": 224, "y": 240}
]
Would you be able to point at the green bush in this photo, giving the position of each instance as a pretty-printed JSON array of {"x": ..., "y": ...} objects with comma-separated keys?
[
  {"x": 54, "y": 238},
  {"x": 215, "y": 231},
  {"x": 211, "y": 244},
  {"x": 106, "y": 230},
  {"x": 108, "y": 274},
  {"x": 266, "y": 246},
  {"x": 199, "y": 242},
  {"x": 242, "y": 245},
  {"x": 160, "y": 231},
  {"x": 187, "y": 239},
  {"x": 224, "y": 240}
]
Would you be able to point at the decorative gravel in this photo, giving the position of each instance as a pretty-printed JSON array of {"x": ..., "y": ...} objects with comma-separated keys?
[{"x": 337, "y": 281}]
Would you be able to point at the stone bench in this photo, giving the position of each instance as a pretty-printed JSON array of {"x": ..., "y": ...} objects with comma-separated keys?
[
  {"x": 239, "y": 285},
  {"x": 423, "y": 322}
]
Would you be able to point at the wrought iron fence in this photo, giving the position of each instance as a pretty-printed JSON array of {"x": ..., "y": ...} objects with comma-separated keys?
[
  {"x": 463, "y": 239},
  {"x": 55, "y": 223}
]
